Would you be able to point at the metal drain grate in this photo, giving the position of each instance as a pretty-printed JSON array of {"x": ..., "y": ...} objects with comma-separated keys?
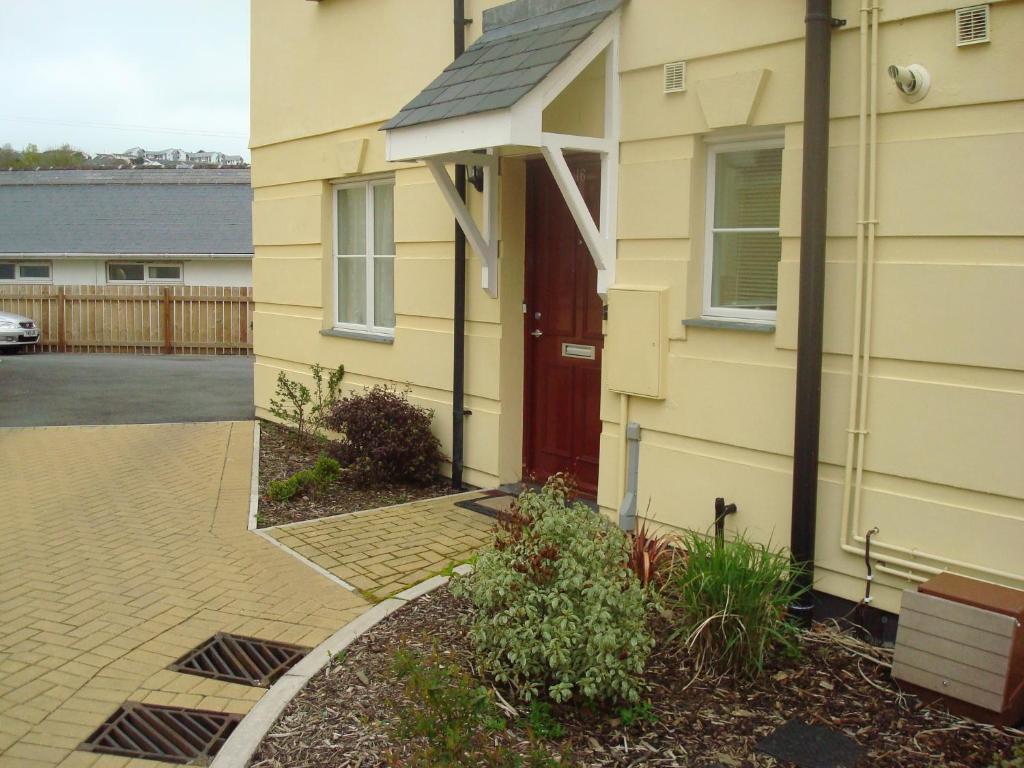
[
  {"x": 244, "y": 660},
  {"x": 172, "y": 734}
]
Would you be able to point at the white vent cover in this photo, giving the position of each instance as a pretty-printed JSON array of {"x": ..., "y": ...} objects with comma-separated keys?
[
  {"x": 675, "y": 77},
  {"x": 972, "y": 24}
]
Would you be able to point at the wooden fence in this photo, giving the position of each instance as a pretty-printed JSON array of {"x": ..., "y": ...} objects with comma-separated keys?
[{"x": 141, "y": 319}]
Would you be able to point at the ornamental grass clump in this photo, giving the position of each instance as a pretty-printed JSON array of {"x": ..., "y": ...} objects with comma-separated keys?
[
  {"x": 558, "y": 612},
  {"x": 729, "y": 601}
]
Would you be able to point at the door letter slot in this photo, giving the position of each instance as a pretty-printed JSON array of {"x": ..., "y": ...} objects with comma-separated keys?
[{"x": 581, "y": 351}]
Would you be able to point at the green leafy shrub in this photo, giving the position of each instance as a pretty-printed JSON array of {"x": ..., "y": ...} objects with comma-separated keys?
[
  {"x": 558, "y": 612},
  {"x": 1014, "y": 761},
  {"x": 453, "y": 719},
  {"x": 385, "y": 438},
  {"x": 307, "y": 411},
  {"x": 317, "y": 478},
  {"x": 730, "y": 601}
]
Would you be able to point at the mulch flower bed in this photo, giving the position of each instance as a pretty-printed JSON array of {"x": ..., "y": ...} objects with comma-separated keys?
[
  {"x": 341, "y": 719},
  {"x": 281, "y": 456}
]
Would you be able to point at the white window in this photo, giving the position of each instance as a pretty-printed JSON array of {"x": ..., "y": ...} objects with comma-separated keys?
[
  {"x": 742, "y": 247},
  {"x": 364, "y": 256},
  {"x": 28, "y": 272},
  {"x": 141, "y": 272}
]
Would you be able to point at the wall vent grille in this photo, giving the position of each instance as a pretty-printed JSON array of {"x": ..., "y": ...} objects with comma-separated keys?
[
  {"x": 972, "y": 25},
  {"x": 675, "y": 77}
]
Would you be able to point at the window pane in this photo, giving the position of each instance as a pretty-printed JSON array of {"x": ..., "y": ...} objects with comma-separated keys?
[
  {"x": 165, "y": 272},
  {"x": 384, "y": 292},
  {"x": 747, "y": 186},
  {"x": 746, "y": 270},
  {"x": 34, "y": 271},
  {"x": 384, "y": 220},
  {"x": 126, "y": 272},
  {"x": 352, "y": 291},
  {"x": 352, "y": 221},
  {"x": 6, "y": 271}
]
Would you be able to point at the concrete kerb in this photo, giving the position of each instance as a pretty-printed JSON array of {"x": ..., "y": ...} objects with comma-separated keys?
[{"x": 245, "y": 740}]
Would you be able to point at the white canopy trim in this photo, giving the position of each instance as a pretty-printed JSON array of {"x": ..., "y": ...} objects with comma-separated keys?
[{"x": 461, "y": 139}]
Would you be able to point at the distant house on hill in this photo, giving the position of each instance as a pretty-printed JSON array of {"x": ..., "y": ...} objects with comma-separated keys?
[
  {"x": 204, "y": 158},
  {"x": 166, "y": 155},
  {"x": 126, "y": 227}
]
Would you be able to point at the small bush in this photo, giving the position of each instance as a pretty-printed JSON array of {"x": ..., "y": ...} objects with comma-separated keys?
[
  {"x": 1014, "y": 761},
  {"x": 558, "y": 612},
  {"x": 322, "y": 474},
  {"x": 307, "y": 411},
  {"x": 650, "y": 555},
  {"x": 385, "y": 438},
  {"x": 453, "y": 718},
  {"x": 730, "y": 602}
]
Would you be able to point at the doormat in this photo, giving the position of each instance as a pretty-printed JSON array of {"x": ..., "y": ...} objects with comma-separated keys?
[
  {"x": 811, "y": 746},
  {"x": 489, "y": 503}
]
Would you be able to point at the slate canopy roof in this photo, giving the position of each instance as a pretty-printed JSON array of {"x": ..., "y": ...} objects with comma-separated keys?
[
  {"x": 126, "y": 212},
  {"x": 522, "y": 43}
]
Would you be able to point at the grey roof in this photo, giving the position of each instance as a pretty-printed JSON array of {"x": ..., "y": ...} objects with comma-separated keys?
[
  {"x": 126, "y": 212},
  {"x": 522, "y": 42}
]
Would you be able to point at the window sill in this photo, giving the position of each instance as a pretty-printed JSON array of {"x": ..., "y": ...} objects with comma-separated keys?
[
  {"x": 725, "y": 324},
  {"x": 345, "y": 333}
]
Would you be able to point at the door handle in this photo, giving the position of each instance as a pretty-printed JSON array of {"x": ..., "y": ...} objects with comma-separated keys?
[{"x": 537, "y": 334}]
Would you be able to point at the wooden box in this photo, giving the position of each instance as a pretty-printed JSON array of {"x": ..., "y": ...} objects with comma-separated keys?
[{"x": 963, "y": 640}]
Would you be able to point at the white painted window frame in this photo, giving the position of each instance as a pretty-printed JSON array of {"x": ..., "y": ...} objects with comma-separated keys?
[
  {"x": 146, "y": 279},
  {"x": 30, "y": 280},
  {"x": 369, "y": 328},
  {"x": 714, "y": 149}
]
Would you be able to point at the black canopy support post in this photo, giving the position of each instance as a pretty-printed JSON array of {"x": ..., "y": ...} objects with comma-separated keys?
[
  {"x": 807, "y": 426},
  {"x": 459, "y": 323}
]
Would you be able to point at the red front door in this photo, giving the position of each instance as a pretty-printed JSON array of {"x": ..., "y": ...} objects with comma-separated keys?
[{"x": 563, "y": 332}]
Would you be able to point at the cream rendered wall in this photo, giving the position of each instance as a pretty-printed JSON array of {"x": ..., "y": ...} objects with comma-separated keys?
[
  {"x": 316, "y": 107},
  {"x": 946, "y": 402},
  {"x": 946, "y": 399}
]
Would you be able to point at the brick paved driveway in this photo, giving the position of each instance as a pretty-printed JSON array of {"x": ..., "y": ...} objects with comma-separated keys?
[{"x": 121, "y": 548}]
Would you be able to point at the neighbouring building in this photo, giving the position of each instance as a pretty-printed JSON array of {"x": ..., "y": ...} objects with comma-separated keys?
[
  {"x": 204, "y": 158},
  {"x": 635, "y": 254},
  {"x": 126, "y": 227},
  {"x": 166, "y": 155}
]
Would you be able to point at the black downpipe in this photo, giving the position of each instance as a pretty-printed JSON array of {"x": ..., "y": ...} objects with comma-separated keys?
[
  {"x": 459, "y": 334},
  {"x": 807, "y": 429}
]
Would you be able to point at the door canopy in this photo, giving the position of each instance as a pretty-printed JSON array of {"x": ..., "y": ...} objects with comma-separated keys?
[{"x": 494, "y": 96}]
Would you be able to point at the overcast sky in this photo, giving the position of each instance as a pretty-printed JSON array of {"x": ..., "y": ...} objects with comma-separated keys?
[{"x": 105, "y": 75}]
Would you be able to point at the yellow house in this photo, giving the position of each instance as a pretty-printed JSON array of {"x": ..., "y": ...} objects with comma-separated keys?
[{"x": 647, "y": 184}]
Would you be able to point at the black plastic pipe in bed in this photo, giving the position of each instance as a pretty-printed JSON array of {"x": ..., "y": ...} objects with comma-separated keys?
[{"x": 807, "y": 426}]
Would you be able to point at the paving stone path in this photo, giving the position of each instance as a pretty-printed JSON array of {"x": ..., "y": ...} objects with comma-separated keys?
[
  {"x": 383, "y": 551},
  {"x": 121, "y": 549}
]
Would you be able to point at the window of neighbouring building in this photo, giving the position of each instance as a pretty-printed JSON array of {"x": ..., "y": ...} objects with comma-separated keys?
[
  {"x": 31, "y": 272},
  {"x": 364, "y": 256},
  {"x": 743, "y": 248},
  {"x": 141, "y": 272}
]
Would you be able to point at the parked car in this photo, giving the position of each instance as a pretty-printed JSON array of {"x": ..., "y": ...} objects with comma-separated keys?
[{"x": 17, "y": 331}]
